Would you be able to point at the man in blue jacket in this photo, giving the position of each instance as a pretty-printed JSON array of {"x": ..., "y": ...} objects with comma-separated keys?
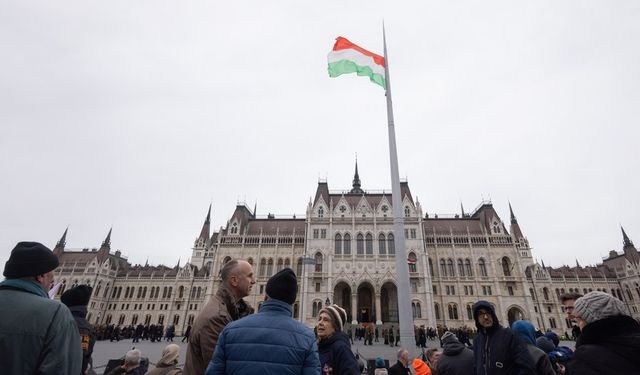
[
  {"x": 271, "y": 341},
  {"x": 37, "y": 335},
  {"x": 496, "y": 350}
]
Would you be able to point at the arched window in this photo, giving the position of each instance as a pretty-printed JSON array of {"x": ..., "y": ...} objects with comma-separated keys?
[
  {"x": 407, "y": 211},
  {"x": 545, "y": 292},
  {"x": 460, "y": 267},
  {"x": 469, "y": 312},
  {"x": 360, "y": 244},
  {"x": 263, "y": 267},
  {"x": 318, "y": 262},
  {"x": 180, "y": 291},
  {"x": 108, "y": 320},
  {"x": 450, "y": 269},
  {"x": 506, "y": 266},
  {"x": 533, "y": 294},
  {"x": 412, "y": 260},
  {"x": 436, "y": 310},
  {"x": 270, "y": 267},
  {"x": 121, "y": 319},
  {"x": 346, "y": 244},
  {"x": 250, "y": 261},
  {"x": 483, "y": 267},
  {"x": 417, "y": 311},
  {"x": 134, "y": 319},
  {"x": 299, "y": 267},
  {"x": 226, "y": 260},
  {"x": 193, "y": 292},
  {"x": 430, "y": 267},
  {"x": 280, "y": 264},
  {"x": 338, "y": 244},
  {"x": 382, "y": 244},
  {"x": 320, "y": 211},
  {"x": 170, "y": 290},
  {"x": 392, "y": 246},
  {"x": 453, "y": 311},
  {"x": 161, "y": 319},
  {"x": 467, "y": 266},
  {"x": 369, "y": 244},
  {"x": 443, "y": 268}
]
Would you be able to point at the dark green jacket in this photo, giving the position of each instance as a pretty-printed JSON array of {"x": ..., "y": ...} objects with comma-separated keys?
[{"x": 37, "y": 335}]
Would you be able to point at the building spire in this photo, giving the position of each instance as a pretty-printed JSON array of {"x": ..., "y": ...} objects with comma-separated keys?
[
  {"x": 204, "y": 233},
  {"x": 356, "y": 181},
  {"x": 513, "y": 217},
  {"x": 107, "y": 241},
  {"x": 461, "y": 209},
  {"x": 61, "y": 243},
  {"x": 625, "y": 238}
]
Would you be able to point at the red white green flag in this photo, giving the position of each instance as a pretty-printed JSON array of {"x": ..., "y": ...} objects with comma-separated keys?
[{"x": 347, "y": 57}]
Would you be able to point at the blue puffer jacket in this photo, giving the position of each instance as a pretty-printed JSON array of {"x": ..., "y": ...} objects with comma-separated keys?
[{"x": 269, "y": 342}]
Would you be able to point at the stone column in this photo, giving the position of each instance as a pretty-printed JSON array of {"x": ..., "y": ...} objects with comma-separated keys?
[
  {"x": 378, "y": 310},
  {"x": 354, "y": 308}
]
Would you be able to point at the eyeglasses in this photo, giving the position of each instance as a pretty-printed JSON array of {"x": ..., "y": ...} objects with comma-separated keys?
[{"x": 484, "y": 314}]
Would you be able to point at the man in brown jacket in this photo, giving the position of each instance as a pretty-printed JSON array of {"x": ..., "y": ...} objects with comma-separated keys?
[{"x": 226, "y": 306}]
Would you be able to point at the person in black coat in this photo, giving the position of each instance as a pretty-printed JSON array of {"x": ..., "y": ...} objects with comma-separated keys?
[
  {"x": 400, "y": 368},
  {"x": 610, "y": 338},
  {"x": 77, "y": 299},
  {"x": 456, "y": 358},
  {"x": 496, "y": 350},
  {"x": 336, "y": 357}
]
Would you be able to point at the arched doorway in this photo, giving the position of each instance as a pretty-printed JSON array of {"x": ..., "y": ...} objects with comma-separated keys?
[
  {"x": 515, "y": 313},
  {"x": 366, "y": 309},
  {"x": 342, "y": 297},
  {"x": 389, "y": 303}
]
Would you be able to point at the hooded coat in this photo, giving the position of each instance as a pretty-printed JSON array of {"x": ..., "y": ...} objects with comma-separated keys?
[
  {"x": 527, "y": 333},
  {"x": 496, "y": 350},
  {"x": 608, "y": 346},
  {"x": 336, "y": 355},
  {"x": 456, "y": 358}
]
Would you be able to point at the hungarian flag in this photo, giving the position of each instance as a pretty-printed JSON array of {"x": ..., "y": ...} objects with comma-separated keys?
[{"x": 347, "y": 57}]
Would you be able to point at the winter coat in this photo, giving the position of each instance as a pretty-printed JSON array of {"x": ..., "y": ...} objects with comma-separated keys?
[
  {"x": 399, "y": 369},
  {"x": 37, "y": 335},
  {"x": 269, "y": 342},
  {"x": 219, "y": 311},
  {"x": 608, "y": 346},
  {"x": 456, "y": 359},
  {"x": 336, "y": 357},
  {"x": 381, "y": 371},
  {"x": 87, "y": 335},
  {"x": 164, "y": 369},
  {"x": 496, "y": 350},
  {"x": 527, "y": 333}
]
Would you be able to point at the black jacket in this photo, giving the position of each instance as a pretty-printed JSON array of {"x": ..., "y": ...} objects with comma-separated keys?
[
  {"x": 87, "y": 335},
  {"x": 335, "y": 353},
  {"x": 399, "y": 369},
  {"x": 496, "y": 350},
  {"x": 608, "y": 346},
  {"x": 456, "y": 359}
]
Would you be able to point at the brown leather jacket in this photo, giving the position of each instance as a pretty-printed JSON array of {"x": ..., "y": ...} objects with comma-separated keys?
[{"x": 219, "y": 311}]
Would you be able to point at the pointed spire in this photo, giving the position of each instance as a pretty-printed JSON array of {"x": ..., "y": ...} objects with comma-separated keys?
[
  {"x": 461, "y": 209},
  {"x": 577, "y": 264},
  {"x": 356, "y": 181},
  {"x": 625, "y": 238},
  {"x": 107, "y": 241},
  {"x": 178, "y": 265},
  {"x": 255, "y": 208},
  {"x": 59, "y": 248},
  {"x": 146, "y": 264},
  {"x": 543, "y": 266},
  {"x": 513, "y": 217},
  {"x": 204, "y": 233}
]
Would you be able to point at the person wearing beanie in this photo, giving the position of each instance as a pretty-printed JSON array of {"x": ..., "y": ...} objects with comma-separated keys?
[
  {"x": 336, "y": 357},
  {"x": 168, "y": 363},
  {"x": 555, "y": 339},
  {"x": 544, "y": 344},
  {"x": 381, "y": 368},
  {"x": 420, "y": 367},
  {"x": 77, "y": 299},
  {"x": 37, "y": 335},
  {"x": 270, "y": 341},
  {"x": 526, "y": 332},
  {"x": 456, "y": 358},
  {"x": 496, "y": 350},
  {"x": 610, "y": 338},
  {"x": 224, "y": 307}
]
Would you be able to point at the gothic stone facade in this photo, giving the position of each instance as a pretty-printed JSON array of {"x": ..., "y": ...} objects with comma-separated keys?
[{"x": 343, "y": 252}]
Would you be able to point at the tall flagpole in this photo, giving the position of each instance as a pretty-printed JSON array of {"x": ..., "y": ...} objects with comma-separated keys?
[{"x": 407, "y": 336}]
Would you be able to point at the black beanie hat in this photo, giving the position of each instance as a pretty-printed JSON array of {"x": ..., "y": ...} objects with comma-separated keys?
[
  {"x": 283, "y": 286},
  {"x": 78, "y": 296},
  {"x": 30, "y": 259}
]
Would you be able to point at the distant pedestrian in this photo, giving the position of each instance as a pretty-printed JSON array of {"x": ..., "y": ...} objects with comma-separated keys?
[
  {"x": 187, "y": 333},
  {"x": 37, "y": 335}
]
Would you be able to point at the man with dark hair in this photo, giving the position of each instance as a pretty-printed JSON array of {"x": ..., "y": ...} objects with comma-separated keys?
[
  {"x": 271, "y": 341},
  {"x": 496, "y": 350},
  {"x": 37, "y": 335},
  {"x": 567, "y": 300},
  {"x": 77, "y": 299},
  {"x": 226, "y": 306}
]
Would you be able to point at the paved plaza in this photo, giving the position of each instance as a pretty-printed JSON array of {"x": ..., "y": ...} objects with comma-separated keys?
[{"x": 106, "y": 350}]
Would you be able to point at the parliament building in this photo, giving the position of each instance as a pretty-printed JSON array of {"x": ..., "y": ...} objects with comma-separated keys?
[{"x": 343, "y": 252}]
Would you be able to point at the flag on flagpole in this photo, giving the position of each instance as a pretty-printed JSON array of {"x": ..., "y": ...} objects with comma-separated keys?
[{"x": 347, "y": 57}]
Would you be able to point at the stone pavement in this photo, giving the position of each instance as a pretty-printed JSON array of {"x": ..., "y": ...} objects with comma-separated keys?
[{"x": 105, "y": 350}]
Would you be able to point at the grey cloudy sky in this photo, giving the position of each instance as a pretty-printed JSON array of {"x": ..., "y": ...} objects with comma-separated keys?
[{"x": 139, "y": 114}]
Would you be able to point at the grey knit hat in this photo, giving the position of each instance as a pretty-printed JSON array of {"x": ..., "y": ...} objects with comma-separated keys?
[
  {"x": 448, "y": 337},
  {"x": 598, "y": 305}
]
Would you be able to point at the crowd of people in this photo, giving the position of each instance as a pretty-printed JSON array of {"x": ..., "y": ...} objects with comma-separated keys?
[{"x": 39, "y": 335}]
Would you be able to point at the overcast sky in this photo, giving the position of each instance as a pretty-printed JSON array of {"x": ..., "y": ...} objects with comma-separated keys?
[{"x": 138, "y": 114}]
